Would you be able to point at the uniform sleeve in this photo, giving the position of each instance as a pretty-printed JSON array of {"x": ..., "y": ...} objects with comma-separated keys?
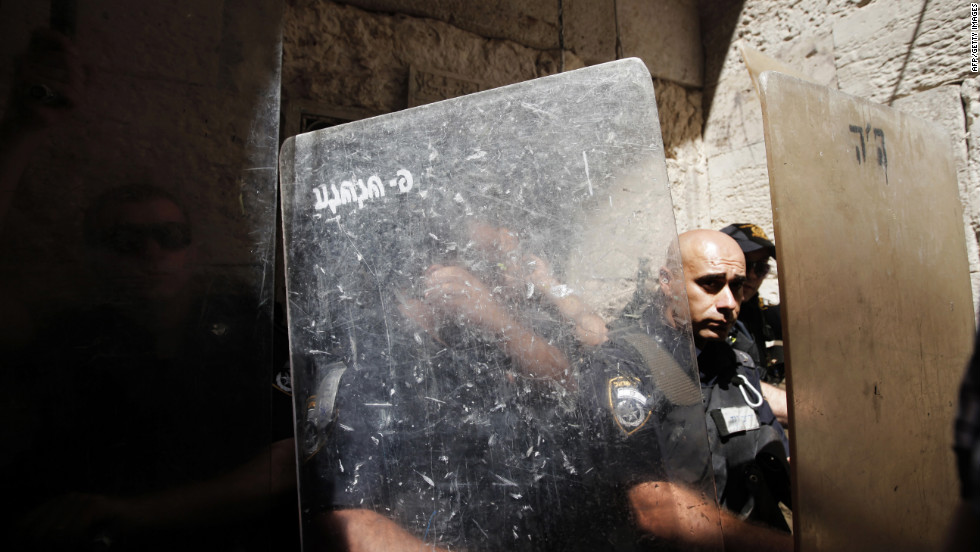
[
  {"x": 774, "y": 319},
  {"x": 348, "y": 470},
  {"x": 624, "y": 413}
]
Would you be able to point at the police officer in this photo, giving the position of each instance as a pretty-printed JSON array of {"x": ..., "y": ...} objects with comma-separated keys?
[
  {"x": 748, "y": 446},
  {"x": 757, "y": 322},
  {"x": 624, "y": 469}
]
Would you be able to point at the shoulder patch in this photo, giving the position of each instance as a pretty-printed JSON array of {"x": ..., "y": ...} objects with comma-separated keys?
[
  {"x": 630, "y": 406},
  {"x": 284, "y": 381},
  {"x": 744, "y": 358}
]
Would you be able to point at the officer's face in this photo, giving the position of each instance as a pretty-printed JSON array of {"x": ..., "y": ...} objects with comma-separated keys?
[
  {"x": 145, "y": 248},
  {"x": 753, "y": 278},
  {"x": 714, "y": 272}
]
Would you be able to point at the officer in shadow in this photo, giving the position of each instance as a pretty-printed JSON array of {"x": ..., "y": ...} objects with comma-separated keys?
[{"x": 139, "y": 415}]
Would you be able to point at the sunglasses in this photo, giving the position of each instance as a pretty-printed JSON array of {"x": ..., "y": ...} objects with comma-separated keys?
[
  {"x": 131, "y": 239},
  {"x": 759, "y": 268}
]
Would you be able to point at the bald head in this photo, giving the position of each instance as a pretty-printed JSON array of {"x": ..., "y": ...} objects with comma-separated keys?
[
  {"x": 696, "y": 243},
  {"x": 714, "y": 271}
]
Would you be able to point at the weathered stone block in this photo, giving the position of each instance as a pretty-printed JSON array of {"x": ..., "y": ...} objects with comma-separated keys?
[
  {"x": 970, "y": 96},
  {"x": 797, "y": 33},
  {"x": 944, "y": 107},
  {"x": 666, "y": 35},
  {"x": 533, "y": 24},
  {"x": 735, "y": 119},
  {"x": 345, "y": 56},
  {"x": 738, "y": 183},
  {"x": 681, "y": 120},
  {"x": 590, "y": 29},
  {"x": 689, "y": 194},
  {"x": 886, "y": 50}
]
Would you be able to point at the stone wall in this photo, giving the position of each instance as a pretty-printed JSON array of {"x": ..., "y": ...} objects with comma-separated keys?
[
  {"x": 350, "y": 59},
  {"x": 909, "y": 54}
]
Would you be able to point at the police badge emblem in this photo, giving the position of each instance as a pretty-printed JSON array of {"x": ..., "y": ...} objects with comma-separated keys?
[{"x": 630, "y": 407}]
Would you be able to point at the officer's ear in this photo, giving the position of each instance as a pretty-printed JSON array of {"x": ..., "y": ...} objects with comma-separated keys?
[
  {"x": 665, "y": 280},
  {"x": 675, "y": 302}
]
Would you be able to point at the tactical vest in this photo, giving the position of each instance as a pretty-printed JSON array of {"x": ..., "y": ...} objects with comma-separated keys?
[
  {"x": 750, "y": 466},
  {"x": 751, "y": 473}
]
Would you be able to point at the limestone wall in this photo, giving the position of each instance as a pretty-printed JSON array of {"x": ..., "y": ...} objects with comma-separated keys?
[
  {"x": 349, "y": 59},
  {"x": 909, "y": 54}
]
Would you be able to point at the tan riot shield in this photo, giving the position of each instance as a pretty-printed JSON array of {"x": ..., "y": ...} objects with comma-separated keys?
[
  {"x": 877, "y": 312},
  {"x": 757, "y": 62}
]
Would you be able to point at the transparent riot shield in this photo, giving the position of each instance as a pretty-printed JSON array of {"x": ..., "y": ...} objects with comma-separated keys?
[
  {"x": 138, "y": 217},
  {"x": 479, "y": 358},
  {"x": 877, "y": 314}
]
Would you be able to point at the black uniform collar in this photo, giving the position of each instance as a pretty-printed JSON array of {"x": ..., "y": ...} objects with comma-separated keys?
[{"x": 716, "y": 363}]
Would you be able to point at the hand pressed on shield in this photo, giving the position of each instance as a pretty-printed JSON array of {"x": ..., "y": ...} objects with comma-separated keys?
[
  {"x": 530, "y": 276},
  {"x": 455, "y": 294}
]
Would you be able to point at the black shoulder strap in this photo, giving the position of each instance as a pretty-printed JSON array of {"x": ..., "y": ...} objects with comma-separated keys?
[
  {"x": 675, "y": 383},
  {"x": 744, "y": 359}
]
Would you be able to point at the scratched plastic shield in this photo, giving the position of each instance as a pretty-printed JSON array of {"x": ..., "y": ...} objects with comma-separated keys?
[
  {"x": 137, "y": 247},
  {"x": 459, "y": 278}
]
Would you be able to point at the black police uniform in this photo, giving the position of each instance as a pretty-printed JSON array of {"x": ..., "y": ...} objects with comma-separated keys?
[
  {"x": 114, "y": 416},
  {"x": 758, "y": 324},
  {"x": 463, "y": 453},
  {"x": 748, "y": 458}
]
